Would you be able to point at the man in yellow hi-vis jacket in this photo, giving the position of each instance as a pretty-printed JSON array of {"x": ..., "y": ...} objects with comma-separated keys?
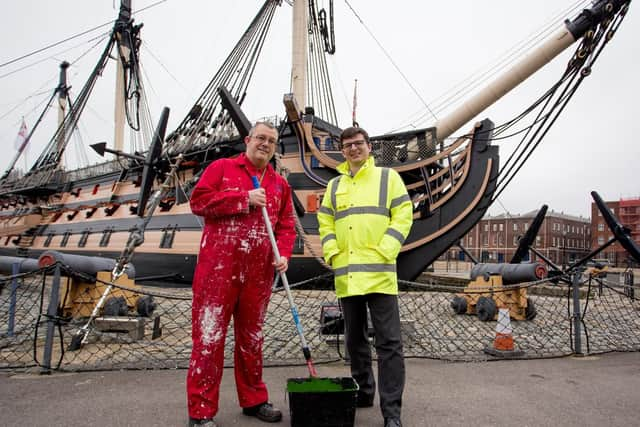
[{"x": 365, "y": 216}]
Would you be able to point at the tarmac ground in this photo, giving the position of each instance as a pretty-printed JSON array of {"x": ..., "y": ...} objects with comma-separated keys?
[{"x": 572, "y": 391}]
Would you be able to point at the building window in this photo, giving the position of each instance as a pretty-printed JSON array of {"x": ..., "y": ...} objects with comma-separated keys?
[
  {"x": 600, "y": 240},
  {"x": 486, "y": 227},
  {"x": 526, "y": 226},
  {"x": 537, "y": 240},
  {"x": 485, "y": 240},
  {"x": 600, "y": 226},
  {"x": 501, "y": 226},
  {"x": 470, "y": 240},
  {"x": 515, "y": 226},
  {"x": 495, "y": 227},
  {"x": 553, "y": 241}
]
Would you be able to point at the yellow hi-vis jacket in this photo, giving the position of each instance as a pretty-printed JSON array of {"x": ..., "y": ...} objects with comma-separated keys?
[{"x": 363, "y": 222}]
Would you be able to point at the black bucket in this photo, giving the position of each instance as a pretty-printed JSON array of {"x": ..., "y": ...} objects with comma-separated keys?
[{"x": 322, "y": 402}]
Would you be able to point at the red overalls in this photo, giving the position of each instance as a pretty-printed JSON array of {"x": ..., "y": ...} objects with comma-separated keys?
[{"x": 233, "y": 277}]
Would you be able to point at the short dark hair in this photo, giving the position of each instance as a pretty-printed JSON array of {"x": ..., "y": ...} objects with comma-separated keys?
[{"x": 350, "y": 132}]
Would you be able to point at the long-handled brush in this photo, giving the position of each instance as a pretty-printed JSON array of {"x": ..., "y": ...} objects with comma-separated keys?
[{"x": 285, "y": 284}]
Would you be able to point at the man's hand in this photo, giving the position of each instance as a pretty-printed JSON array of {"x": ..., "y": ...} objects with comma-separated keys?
[
  {"x": 281, "y": 265},
  {"x": 257, "y": 197}
]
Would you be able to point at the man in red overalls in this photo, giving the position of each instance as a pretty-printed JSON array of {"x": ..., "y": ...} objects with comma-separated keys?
[{"x": 234, "y": 274}]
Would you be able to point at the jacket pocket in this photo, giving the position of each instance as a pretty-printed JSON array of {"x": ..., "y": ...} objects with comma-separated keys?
[{"x": 342, "y": 201}]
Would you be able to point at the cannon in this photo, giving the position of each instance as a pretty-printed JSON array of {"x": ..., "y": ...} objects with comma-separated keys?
[
  {"x": 511, "y": 273},
  {"x": 487, "y": 291},
  {"x": 90, "y": 265},
  {"x": 81, "y": 291},
  {"x": 25, "y": 265}
]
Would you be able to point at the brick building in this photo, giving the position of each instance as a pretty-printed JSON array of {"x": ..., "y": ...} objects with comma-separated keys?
[
  {"x": 562, "y": 238},
  {"x": 628, "y": 212}
]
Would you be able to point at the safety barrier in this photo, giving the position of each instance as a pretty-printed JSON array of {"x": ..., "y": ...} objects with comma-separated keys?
[{"x": 573, "y": 315}]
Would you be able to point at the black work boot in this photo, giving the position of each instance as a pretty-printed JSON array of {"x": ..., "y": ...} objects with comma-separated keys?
[
  {"x": 364, "y": 400},
  {"x": 193, "y": 422},
  {"x": 392, "y": 422},
  {"x": 264, "y": 412}
]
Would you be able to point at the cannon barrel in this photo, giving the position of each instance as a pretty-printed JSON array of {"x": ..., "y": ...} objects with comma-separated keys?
[
  {"x": 511, "y": 273},
  {"x": 81, "y": 263},
  {"x": 26, "y": 264}
]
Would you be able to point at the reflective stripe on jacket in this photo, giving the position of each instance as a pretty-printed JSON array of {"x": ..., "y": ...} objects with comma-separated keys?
[{"x": 363, "y": 222}]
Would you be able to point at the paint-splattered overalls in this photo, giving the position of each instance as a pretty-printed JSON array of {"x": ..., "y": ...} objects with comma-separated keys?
[{"x": 233, "y": 277}]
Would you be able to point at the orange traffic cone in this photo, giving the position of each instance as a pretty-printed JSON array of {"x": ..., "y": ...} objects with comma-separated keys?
[{"x": 503, "y": 345}]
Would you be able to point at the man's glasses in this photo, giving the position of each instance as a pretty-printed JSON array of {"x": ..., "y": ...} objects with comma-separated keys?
[
  {"x": 349, "y": 145},
  {"x": 265, "y": 138}
]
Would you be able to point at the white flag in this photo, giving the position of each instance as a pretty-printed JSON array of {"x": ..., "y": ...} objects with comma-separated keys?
[{"x": 21, "y": 139}]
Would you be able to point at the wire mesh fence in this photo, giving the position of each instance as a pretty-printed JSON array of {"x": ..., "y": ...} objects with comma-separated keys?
[{"x": 150, "y": 328}]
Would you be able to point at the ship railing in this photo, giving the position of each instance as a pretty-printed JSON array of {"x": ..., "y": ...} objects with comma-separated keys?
[{"x": 93, "y": 170}]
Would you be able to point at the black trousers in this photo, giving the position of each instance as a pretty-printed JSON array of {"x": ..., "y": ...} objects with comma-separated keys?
[{"x": 385, "y": 318}]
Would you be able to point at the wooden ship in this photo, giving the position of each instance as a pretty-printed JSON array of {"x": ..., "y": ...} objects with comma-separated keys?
[{"x": 452, "y": 183}]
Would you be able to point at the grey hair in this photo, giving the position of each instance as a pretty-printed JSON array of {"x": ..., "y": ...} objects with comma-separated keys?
[{"x": 263, "y": 123}]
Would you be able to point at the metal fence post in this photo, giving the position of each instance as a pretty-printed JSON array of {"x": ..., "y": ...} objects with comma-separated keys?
[
  {"x": 15, "y": 269},
  {"x": 575, "y": 283},
  {"x": 52, "y": 313},
  {"x": 628, "y": 284}
]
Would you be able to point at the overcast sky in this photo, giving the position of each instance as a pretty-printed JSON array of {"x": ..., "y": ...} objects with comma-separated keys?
[{"x": 434, "y": 45}]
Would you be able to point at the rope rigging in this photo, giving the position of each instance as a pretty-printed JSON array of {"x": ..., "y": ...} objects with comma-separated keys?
[
  {"x": 51, "y": 155},
  {"x": 128, "y": 48},
  {"x": 207, "y": 121},
  {"x": 327, "y": 30},
  {"x": 123, "y": 35},
  {"x": 319, "y": 89},
  {"x": 391, "y": 60},
  {"x": 75, "y": 36},
  {"x": 479, "y": 78},
  {"x": 553, "y": 102}
]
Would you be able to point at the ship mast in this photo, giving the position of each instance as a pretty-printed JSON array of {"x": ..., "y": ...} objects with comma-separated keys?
[
  {"x": 299, "y": 52},
  {"x": 63, "y": 93},
  {"x": 123, "y": 52}
]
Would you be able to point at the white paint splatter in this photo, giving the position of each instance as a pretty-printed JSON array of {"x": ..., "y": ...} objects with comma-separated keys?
[
  {"x": 209, "y": 325},
  {"x": 254, "y": 339}
]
